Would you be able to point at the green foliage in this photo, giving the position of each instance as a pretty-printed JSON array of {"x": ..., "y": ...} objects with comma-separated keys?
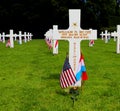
[
  {"x": 110, "y": 29},
  {"x": 114, "y": 20},
  {"x": 29, "y": 78},
  {"x": 37, "y": 16}
]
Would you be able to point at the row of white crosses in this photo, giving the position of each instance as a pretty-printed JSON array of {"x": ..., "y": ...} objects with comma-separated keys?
[
  {"x": 11, "y": 35},
  {"x": 116, "y": 36},
  {"x": 74, "y": 34},
  {"x": 106, "y": 35}
]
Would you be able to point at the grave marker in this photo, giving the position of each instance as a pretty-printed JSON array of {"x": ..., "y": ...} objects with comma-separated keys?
[
  {"x": 25, "y": 40},
  {"x": 114, "y": 35},
  {"x": 15, "y": 37},
  {"x": 49, "y": 35},
  {"x": 118, "y": 39},
  {"x": 20, "y": 37},
  {"x": 3, "y": 36},
  {"x": 11, "y": 35},
  {"x": 28, "y": 35},
  {"x": 74, "y": 34},
  {"x": 31, "y": 36},
  {"x": 102, "y": 35},
  {"x": 106, "y": 34}
]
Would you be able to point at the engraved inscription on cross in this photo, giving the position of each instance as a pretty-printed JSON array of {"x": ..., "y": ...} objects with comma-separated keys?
[
  {"x": 74, "y": 34},
  {"x": 117, "y": 34}
]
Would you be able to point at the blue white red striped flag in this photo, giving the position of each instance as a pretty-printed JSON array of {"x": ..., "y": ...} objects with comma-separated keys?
[
  {"x": 81, "y": 71},
  {"x": 67, "y": 77}
]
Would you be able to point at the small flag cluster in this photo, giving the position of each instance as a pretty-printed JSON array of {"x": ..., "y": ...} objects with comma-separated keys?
[{"x": 68, "y": 78}]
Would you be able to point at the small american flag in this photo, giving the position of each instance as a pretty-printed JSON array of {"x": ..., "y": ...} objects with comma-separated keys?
[
  {"x": 48, "y": 42},
  {"x": 67, "y": 77}
]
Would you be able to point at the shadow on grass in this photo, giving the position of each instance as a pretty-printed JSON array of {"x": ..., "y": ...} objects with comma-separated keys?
[
  {"x": 52, "y": 77},
  {"x": 49, "y": 52},
  {"x": 112, "y": 52},
  {"x": 63, "y": 92}
]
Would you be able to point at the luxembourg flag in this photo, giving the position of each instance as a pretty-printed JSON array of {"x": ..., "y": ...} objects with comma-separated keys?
[{"x": 81, "y": 71}]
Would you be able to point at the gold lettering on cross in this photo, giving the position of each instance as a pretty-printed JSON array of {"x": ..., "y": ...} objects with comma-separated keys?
[
  {"x": 74, "y": 57},
  {"x": 75, "y": 34}
]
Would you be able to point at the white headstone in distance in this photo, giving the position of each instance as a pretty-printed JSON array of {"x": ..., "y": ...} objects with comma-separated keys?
[
  {"x": 114, "y": 35},
  {"x": 28, "y": 35},
  {"x": 102, "y": 35},
  {"x": 20, "y": 37},
  {"x": 15, "y": 37},
  {"x": 11, "y": 35},
  {"x": 106, "y": 34},
  {"x": 11, "y": 39},
  {"x": 31, "y": 36},
  {"x": 49, "y": 35},
  {"x": 25, "y": 40},
  {"x": 3, "y": 36},
  {"x": 74, "y": 34}
]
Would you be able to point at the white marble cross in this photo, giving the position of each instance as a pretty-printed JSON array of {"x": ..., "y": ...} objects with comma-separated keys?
[
  {"x": 15, "y": 37},
  {"x": 106, "y": 34},
  {"x": 30, "y": 36},
  {"x": 3, "y": 37},
  {"x": 20, "y": 37},
  {"x": 114, "y": 34},
  {"x": 25, "y": 39},
  {"x": 118, "y": 39},
  {"x": 49, "y": 35},
  {"x": 102, "y": 35},
  {"x": 74, "y": 34},
  {"x": 11, "y": 35}
]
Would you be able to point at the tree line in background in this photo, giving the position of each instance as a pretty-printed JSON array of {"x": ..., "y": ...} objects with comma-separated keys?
[{"x": 37, "y": 16}]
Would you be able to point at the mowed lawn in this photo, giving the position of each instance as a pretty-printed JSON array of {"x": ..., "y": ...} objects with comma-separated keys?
[{"x": 29, "y": 78}]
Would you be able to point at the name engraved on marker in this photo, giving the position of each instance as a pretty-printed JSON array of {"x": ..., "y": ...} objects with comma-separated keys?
[
  {"x": 75, "y": 34},
  {"x": 74, "y": 57}
]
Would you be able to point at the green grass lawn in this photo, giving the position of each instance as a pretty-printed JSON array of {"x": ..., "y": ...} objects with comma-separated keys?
[{"x": 29, "y": 78}]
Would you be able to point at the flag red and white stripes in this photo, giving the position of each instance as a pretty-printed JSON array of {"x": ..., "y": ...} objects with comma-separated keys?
[
  {"x": 56, "y": 43},
  {"x": 67, "y": 77}
]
